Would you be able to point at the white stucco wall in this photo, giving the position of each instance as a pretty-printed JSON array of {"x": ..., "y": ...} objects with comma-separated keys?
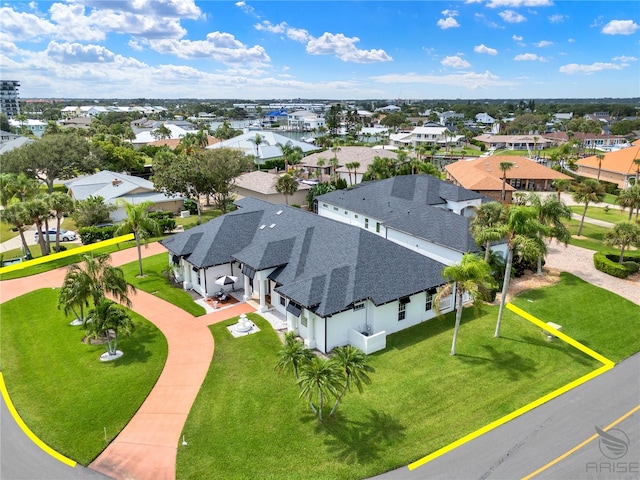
[{"x": 428, "y": 249}]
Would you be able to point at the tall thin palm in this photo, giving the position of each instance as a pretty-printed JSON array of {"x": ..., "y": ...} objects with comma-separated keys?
[
  {"x": 139, "y": 223},
  {"x": 257, "y": 141},
  {"x": 622, "y": 235},
  {"x": 629, "y": 198},
  {"x": 561, "y": 185},
  {"x": 522, "y": 230},
  {"x": 18, "y": 216},
  {"x": 600, "y": 157},
  {"x": 61, "y": 203},
  {"x": 286, "y": 185},
  {"x": 504, "y": 167},
  {"x": 488, "y": 216},
  {"x": 319, "y": 379},
  {"x": 589, "y": 191},
  {"x": 471, "y": 277},
  {"x": 105, "y": 321},
  {"x": 353, "y": 363}
]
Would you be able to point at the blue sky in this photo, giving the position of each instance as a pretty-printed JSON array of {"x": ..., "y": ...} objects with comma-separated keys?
[{"x": 518, "y": 49}]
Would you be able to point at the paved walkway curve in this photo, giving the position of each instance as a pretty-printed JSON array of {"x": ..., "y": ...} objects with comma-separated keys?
[{"x": 147, "y": 447}]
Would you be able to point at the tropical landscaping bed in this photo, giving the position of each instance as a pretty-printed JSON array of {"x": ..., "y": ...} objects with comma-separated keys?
[
  {"x": 419, "y": 399},
  {"x": 61, "y": 389}
]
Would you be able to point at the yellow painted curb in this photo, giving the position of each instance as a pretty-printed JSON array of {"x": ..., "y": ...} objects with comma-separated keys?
[
  {"x": 66, "y": 253},
  {"x": 607, "y": 365},
  {"x": 27, "y": 431}
]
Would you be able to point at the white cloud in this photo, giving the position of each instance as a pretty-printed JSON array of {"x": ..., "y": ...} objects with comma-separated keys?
[
  {"x": 449, "y": 22},
  {"x": 297, "y": 34},
  {"x": 450, "y": 13},
  {"x": 571, "y": 40},
  {"x": 528, "y": 57},
  {"x": 344, "y": 48},
  {"x": 248, "y": 9},
  {"x": 517, "y": 38},
  {"x": 222, "y": 47},
  {"x": 543, "y": 43},
  {"x": 76, "y": 53},
  {"x": 519, "y": 3},
  {"x": 133, "y": 44},
  {"x": 267, "y": 26},
  {"x": 482, "y": 48},
  {"x": 558, "y": 18},
  {"x": 510, "y": 16},
  {"x": 24, "y": 26},
  {"x": 620, "y": 27},
  {"x": 455, "y": 62},
  {"x": 575, "y": 68},
  {"x": 624, "y": 59},
  {"x": 469, "y": 80}
]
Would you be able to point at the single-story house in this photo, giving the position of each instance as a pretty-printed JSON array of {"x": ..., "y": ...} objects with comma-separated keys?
[
  {"x": 419, "y": 212},
  {"x": 262, "y": 185},
  {"x": 428, "y": 135},
  {"x": 336, "y": 284},
  {"x": 483, "y": 175},
  {"x": 113, "y": 186},
  {"x": 532, "y": 143},
  {"x": 345, "y": 155},
  {"x": 617, "y": 167},
  {"x": 266, "y": 149}
]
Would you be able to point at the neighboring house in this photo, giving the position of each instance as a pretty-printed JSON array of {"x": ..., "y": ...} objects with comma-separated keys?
[
  {"x": 114, "y": 186},
  {"x": 485, "y": 119},
  {"x": 531, "y": 143},
  {"x": 145, "y": 137},
  {"x": 617, "y": 167},
  {"x": 562, "y": 117},
  {"x": 262, "y": 185},
  {"x": 276, "y": 117},
  {"x": 304, "y": 120},
  {"x": 430, "y": 136},
  {"x": 450, "y": 117},
  {"x": 419, "y": 212},
  {"x": 37, "y": 127},
  {"x": 268, "y": 147},
  {"x": 345, "y": 155},
  {"x": 483, "y": 175},
  {"x": 389, "y": 109},
  {"x": 13, "y": 142},
  {"x": 600, "y": 141},
  {"x": 336, "y": 284}
]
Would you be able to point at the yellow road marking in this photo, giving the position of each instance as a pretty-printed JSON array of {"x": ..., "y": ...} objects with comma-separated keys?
[
  {"x": 580, "y": 445},
  {"x": 66, "y": 253},
  {"x": 27, "y": 431},
  {"x": 607, "y": 365}
]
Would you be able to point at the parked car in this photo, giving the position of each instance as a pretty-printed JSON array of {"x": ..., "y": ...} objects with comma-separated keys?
[{"x": 65, "y": 235}]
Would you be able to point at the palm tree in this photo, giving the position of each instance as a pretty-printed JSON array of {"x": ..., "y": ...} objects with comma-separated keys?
[
  {"x": 588, "y": 191},
  {"x": 139, "y": 223},
  {"x": 600, "y": 157},
  {"x": 320, "y": 163},
  {"x": 61, "y": 203},
  {"x": 636, "y": 162},
  {"x": 17, "y": 215},
  {"x": 257, "y": 141},
  {"x": 292, "y": 355},
  {"x": 561, "y": 185},
  {"x": 629, "y": 198},
  {"x": 319, "y": 378},
  {"x": 286, "y": 185},
  {"x": 92, "y": 280},
  {"x": 505, "y": 167},
  {"x": 105, "y": 320},
  {"x": 522, "y": 231},
  {"x": 472, "y": 277},
  {"x": 39, "y": 212},
  {"x": 551, "y": 212},
  {"x": 488, "y": 216},
  {"x": 353, "y": 364},
  {"x": 622, "y": 235}
]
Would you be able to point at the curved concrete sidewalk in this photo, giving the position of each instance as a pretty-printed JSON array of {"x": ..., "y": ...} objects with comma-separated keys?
[
  {"x": 147, "y": 447},
  {"x": 579, "y": 262}
]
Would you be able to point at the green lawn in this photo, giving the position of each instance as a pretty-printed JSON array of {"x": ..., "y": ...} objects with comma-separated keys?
[
  {"x": 192, "y": 221},
  {"x": 6, "y": 232},
  {"x": 593, "y": 234},
  {"x": 599, "y": 213},
  {"x": 156, "y": 282},
  {"x": 247, "y": 422},
  {"x": 59, "y": 386},
  {"x": 609, "y": 198}
]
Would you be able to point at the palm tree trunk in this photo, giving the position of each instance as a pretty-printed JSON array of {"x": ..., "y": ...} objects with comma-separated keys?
[
  {"x": 339, "y": 398},
  {"x": 584, "y": 213},
  {"x": 25, "y": 246},
  {"x": 320, "y": 402},
  {"x": 505, "y": 289},
  {"x": 487, "y": 251},
  {"x": 621, "y": 255},
  {"x": 458, "y": 318},
  {"x": 139, "y": 252}
]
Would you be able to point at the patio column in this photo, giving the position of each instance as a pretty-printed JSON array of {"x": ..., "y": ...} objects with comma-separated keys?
[
  {"x": 263, "y": 300},
  {"x": 247, "y": 289}
]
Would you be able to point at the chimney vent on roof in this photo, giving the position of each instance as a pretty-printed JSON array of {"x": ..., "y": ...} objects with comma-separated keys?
[{"x": 115, "y": 182}]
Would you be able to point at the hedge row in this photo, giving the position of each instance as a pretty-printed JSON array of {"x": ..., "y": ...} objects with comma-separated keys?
[
  {"x": 608, "y": 263},
  {"x": 90, "y": 235}
]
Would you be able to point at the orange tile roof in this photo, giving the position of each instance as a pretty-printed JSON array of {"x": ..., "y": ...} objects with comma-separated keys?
[
  {"x": 484, "y": 173},
  {"x": 620, "y": 161}
]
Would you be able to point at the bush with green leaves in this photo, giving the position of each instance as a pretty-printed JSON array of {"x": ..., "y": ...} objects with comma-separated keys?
[
  {"x": 609, "y": 264},
  {"x": 164, "y": 219},
  {"x": 89, "y": 235}
]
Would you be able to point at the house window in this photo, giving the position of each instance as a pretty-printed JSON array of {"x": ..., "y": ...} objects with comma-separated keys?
[
  {"x": 335, "y": 208},
  {"x": 356, "y": 215},
  {"x": 283, "y": 301},
  {"x": 429, "y": 303},
  {"x": 402, "y": 311},
  {"x": 324, "y": 205},
  {"x": 358, "y": 306},
  {"x": 377, "y": 227},
  {"x": 366, "y": 223},
  {"x": 303, "y": 321}
]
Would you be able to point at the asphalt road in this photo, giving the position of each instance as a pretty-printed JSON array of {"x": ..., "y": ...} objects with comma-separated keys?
[
  {"x": 21, "y": 459},
  {"x": 524, "y": 445}
]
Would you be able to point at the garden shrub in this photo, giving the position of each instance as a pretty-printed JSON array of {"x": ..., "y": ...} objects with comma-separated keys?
[
  {"x": 609, "y": 265},
  {"x": 90, "y": 235},
  {"x": 164, "y": 220},
  {"x": 633, "y": 267}
]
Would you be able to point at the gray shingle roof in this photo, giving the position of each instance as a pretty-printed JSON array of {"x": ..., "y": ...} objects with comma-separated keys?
[
  {"x": 414, "y": 204},
  {"x": 319, "y": 263}
]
